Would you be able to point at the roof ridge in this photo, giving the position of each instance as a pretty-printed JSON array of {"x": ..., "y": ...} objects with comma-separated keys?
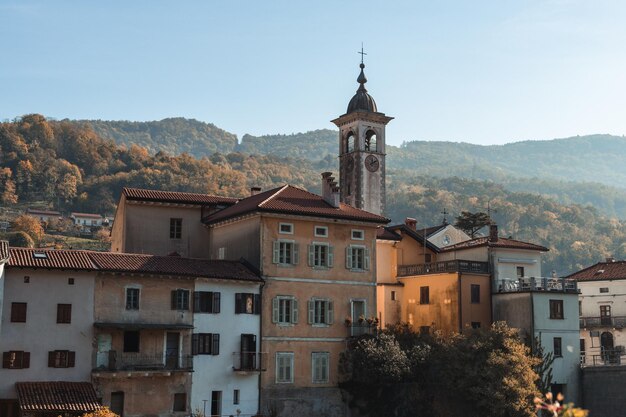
[
  {"x": 284, "y": 187},
  {"x": 180, "y": 192}
]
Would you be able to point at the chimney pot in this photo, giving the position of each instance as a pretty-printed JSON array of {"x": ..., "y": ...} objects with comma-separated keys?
[
  {"x": 493, "y": 233},
  {"x": 255, "y": 190},
  {"x": 411, "y": 223},
  {"x": 330, "y": 191}
]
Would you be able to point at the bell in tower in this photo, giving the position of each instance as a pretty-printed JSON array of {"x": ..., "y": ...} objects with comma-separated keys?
[{"x": 362, "y": 151}]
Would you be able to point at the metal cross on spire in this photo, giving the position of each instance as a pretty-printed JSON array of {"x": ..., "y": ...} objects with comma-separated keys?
[{"x": 362, "y": 53}]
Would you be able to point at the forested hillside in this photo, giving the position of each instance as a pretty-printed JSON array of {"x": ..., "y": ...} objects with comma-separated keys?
[{"x": 68, "y": 166}]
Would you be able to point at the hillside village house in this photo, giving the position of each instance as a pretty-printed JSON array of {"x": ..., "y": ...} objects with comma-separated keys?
[
  {"x": 87, "y": 219},
  {"x": 44, "y": 215}
]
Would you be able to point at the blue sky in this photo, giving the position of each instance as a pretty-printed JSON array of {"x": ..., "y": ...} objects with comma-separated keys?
[{"x": 484, "y": 72}]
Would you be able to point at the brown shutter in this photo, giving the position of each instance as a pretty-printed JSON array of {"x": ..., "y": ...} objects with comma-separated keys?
[
  {"x": 174, "y": 299},
  {"x": 196, "y": 301},
  {"x": 194, "y": 344},
  {"x": 217, "y": 299},
  {"x": 25, "y": 359},
  {"x": 71, "y": 359},
  {"x": 238, "y": 302},
  {"x": 257, "y": 303},
  {"x": 215, "y": 348},
  {"x": 6, "y": 359},
  {"x": 51, "y": 357}
]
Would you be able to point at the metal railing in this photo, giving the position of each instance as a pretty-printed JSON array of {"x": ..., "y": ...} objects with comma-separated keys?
[
  {"x": 359, "y": 329},
  {"x": 606, "y": 358},
  {"x": 536, "y": 284},
  {"x": 118, "y": 361},
  {"x": 249, "y": 361},
  {"x": 457, "y": 265},
  {"x": 617, "y": 322}
]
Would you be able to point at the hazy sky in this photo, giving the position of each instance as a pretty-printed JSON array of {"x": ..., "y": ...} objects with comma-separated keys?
[{"x": 476, "y": 71}]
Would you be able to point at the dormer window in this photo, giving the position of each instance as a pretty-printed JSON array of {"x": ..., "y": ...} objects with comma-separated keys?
[{"x": 285, "y": 228}]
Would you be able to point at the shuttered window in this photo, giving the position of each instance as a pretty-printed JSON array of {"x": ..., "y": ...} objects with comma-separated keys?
[
  {"x": 321, "y": 255},
  {"x": 64, "y": 313},
  {"x": 285, "y": 252},
  {"x": 16, "y": 359},
  {"x": 61, "y": 359},
  {"x": 18, "y": 312},
  {"x": 320, "y": 311},
  {"x": 180, "y": 299},
  {"x": 205, "y": 344},
  {"x": 320, "y": 367},
  {"x": 206, "y": 302},
  {"x": 284, "y": 310},
  {"x": 247, "y": 303},
  {"x": 357, "y": 258}
]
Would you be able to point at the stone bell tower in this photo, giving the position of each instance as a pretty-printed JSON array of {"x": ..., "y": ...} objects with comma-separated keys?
[{"x": 362, "y": 151}]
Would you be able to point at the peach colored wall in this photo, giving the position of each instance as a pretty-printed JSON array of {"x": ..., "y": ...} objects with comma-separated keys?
[
  {"x": 411, "y": 252},
  {"x": 386, "y": 261},
  {"x": 389, "y": 311},
  {"x": 119, "y": 228},
  {"x": 442, "y": 312},
  {"x": 475, "y": 312}
]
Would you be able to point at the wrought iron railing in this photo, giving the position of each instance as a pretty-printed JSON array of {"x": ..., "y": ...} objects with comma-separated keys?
[
  {"x": 536, "y": 284},
  {"x": 125, "y": 361},
  {"x": 249, "y": 361},
  {"x": 617, "y": 322},
  {"x": 605, "y": 358},
  {"x": 359, "y": 329},
  {"x": 456, "y": 265}
]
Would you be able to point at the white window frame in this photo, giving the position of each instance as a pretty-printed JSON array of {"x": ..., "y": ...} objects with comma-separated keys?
[
  {"x": 221, "y": 253},
  {"x": 277, "y": 252},
  {"x": 280, "y": 228},
  {"x": 132, "y": 287},
  {"x": 350, "y": 256},
  {"x": 313, "y": 259},
  {"x": 281, "y": 376},
  {"x": 316, "y": 367},
  {"x": 325, "y": 228},
  {"x": 318, "y": 307},
  {"x": 279, "y": 305},
  {"x": 357, "y": 231}
]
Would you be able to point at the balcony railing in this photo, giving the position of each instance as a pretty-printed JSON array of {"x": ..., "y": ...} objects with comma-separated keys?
[
  {"x": 457, "y": 265},
  {"x": 249, "y": 361},
  {"x": 536, "y": 284},
  {"x": 118, "y": 361},
  {"x": 617, "y": 322},
  {"x": 606, "y": 358},
  {"x": 361, "y": 329}
]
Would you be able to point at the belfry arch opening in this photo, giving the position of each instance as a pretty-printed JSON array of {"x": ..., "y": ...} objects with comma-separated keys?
[
  {"x": 370, "y": 141},
  {"x": 350, "y": 142}
]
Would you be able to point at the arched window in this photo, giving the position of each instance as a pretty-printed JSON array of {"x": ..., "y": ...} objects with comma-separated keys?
[
  {"x": 350, "y": 142},
  {"x": 370, "y": 141}
]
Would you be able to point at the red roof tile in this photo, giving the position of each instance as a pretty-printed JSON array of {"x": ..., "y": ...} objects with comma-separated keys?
[
  {"x": 43, "y": 212},
  {"x": 89, "y": 215},
  {"x": 56, "y": 397},
  {"x": 502, "y": 242},
  {"x": 601, "y": 271},
  {"x": 50, "y": 259},
  {"x": 384, "y": 233},
  {"x": 292, "y": 200},
  {"x": 138, "y": 194}
]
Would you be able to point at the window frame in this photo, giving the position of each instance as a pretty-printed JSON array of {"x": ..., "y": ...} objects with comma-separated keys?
[
  {"x": 558, "y": 353},
  {"x": 320, "y": 312},
  {"x": 9, "y": 363},
  {"x": 207, "y": 302},
  {"x": 519, "y": 269},
  {"x": 242, "y": 303},
  {"x": 64, "y": 313},
  {"x": 61, "y": 359},
  {"x": 475, "y": 293},
  {"x": 205, "y": 344},
  {"x": 134, "y": 303},
  {"x": 354, "y": 232},
  {"x": 604, "y": 290},
  {"x": 315, "y": 259},
  {"x": 19, "y": 312},
  {"x": 324, "y": 228},
  {"x": 179, "y": 398},
  {"x": 280, "y": 315},
  {"x": 180, "y": 299},
  {"x": 280, "y": 357},
  {"x": 556, "y": 312},
  {"x": 315, "y": 367},
  {"x": 424, "y": 295},
  {"x": 176, "y": 228},
  {"x": 289, "y": 226},
  {"x": 352, "y": 264},
  {"x": 279, "y": 252}
]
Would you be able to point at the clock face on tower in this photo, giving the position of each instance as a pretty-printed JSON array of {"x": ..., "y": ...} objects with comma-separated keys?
[
  {"x": 349, "y": 164},
  {"x": 371, "y": 163}
]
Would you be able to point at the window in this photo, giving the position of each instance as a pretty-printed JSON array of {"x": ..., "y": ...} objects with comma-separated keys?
[
  {"x": 285, "y": 252},
  {"x": 475, "y": 293},
  {"x": 180, "y": 299},
  {"x": 64, "y": 313},
  {"x": 236, "y": 397},
  {"x": 428, "y": 258},
  {"x": 475, "y": 325},
  {"x": 205, "y": 344},
  {"x": 284, "y": 367},
  {"x": 604, "y": 289},
  {"x": 61, "y": 359},
  {"x": 26, "y": 279},
  {"x": 321, "y": 231},
  {"x": 206, "y": 302},
  {"x": 247, "y": 303},
  {"x": 321, "y": 255},
  {"x": 370, "y": 141},
  {"x": 18, "y": 312},
  {"x": 216, "y": 403},
  {"x": 320, "y": 367},
  {"x": 16, "y": 359},
  {"x": 357, "y": 258},
  {"x": 131, "y": 341},
  {"x": 424, "y": 295},
  {"x": 520, "y": 271},
  {"x": 320, "y": 311},
  {"x": 556, "y": 309},
  {"x": 176, "y": 228},
  {"x": 350, "y": 142},
  {"x": 132, "y": 298},
  {"x": 605, "y": 315},
  {"x": 285, "y": 228},
  {"x": 180, "y": 402},
  {"x": 358, "y": 234},
  {"x": 221, "y": 253},
  {"x": 556, "y": 342},
  {"x": 70, "y": 281},
  {"x": 284, "y": 310},
  {"x": 393, "y": 296}
]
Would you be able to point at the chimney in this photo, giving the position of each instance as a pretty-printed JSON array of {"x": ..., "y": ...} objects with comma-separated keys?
[
  {"x": 610, "y": 259},
  {"x": 411, "y": 223},
  {"x": 493, "y": 232},
  {"x": 255, "y": 190},
  {"x": 330, "y": 191}
]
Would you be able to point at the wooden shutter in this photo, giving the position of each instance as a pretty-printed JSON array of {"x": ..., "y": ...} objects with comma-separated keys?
[
  {"x": 311, "y": 304},
  {"x": 311, "y": 251},
  {"x": 174, "y": 299},
  {"x": 51, "y": 358},
  {"x": 366, "y": 259},
  {"x": 348, "y": 257},
  {"x": 329, "y": 312},
  {"x": 274, "y": 310},
  {"x": 185, "y": 294},
  {"x": 6, "y": 359},
  {"x": 331, "y": 256},
  {"x": 25, "y": 359},
  {"x": 294, "y": 311},
  {"x": 257, "y": 304},
  {"x": 238, "y": 303},
  {"x": 215, "y": 344},
  {"x": 217, "y": 300},
  {"x": 194, "y": 343},
  {"x": 71, "y": 359},
  {"x": 196, "y": 301},
  {"x": 276, "y": 252}
]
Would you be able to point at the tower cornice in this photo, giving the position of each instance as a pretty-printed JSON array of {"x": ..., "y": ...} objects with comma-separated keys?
[{"x": 375, "y": 117}]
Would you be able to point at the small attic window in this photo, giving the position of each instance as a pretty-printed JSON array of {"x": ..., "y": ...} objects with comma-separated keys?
[{"x": 40, "y": 255}]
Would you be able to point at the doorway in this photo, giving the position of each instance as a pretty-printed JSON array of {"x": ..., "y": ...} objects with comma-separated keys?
[
  {"x": 248, "y": 351},
  {"x": 171, "y": 350},
  {"x": 117, "y": 403},
  {"x": 607, "y": 348}
]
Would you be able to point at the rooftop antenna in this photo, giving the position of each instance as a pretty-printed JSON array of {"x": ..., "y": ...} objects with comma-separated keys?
[{"x": 489, "y": 209}]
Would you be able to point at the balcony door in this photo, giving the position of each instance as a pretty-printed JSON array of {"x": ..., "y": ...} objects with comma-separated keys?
[
  {"x": 606, "y": 347},
  {"x": 248, "y": 351},
  {"x": 171, "y": 350},
  {"x": 358, "y": 315},
  {"x": 605, "y": 315}
]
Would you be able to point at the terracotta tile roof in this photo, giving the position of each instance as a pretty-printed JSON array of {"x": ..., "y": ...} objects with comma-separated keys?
[
  {"x": 383, "y": 233},
  {"x": 43, "y": 212},
  {"x": 601, "y": 271},
  {"x": 502, "y": 242},
  {"x": 130, "y": 263},
  {"x": 50, "y": 259},
  {"x": 138, "y": 194},
  {"x": 88, "y": 215},
  {"x": 4, "y": 251},
  {"x": 292, "y": 200},
  {"x": 420, "y": 231},
  {"x": 56, "y": 397},
  {"x": 412, "y": 234}
]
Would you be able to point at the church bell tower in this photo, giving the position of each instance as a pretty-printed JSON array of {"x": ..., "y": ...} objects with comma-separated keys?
[{"x": 362, "y": 151}]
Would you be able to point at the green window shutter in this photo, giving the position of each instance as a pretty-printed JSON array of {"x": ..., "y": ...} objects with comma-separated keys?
[
  {"x": 329, "y": 312},
  {"x": 275, "y": 310},
  {"x": 296, "y": 249},
  {"x": 366, "y": 259},
  {"x": 311, "y": 249},
  {"x": 294, "y": 311},
  {"x": 331, "y": 256},
  {"x": 348, "y": 257},
  {"x": 311, "y": 311},
  {"x": 276, "y": 255}
]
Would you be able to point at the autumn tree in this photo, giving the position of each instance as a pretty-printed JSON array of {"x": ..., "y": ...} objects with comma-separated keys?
[
  {"x": 7, "y": 187},
  {"x": 471, "y": 223},
  {"x": 30, "y": 226}
]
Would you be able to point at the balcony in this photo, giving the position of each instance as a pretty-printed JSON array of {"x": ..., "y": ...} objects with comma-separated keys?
[
  {"x": 443, "y": 267},
  {"x": 536, "y": 284},
  {"x": 361, "y": 329},
  {"x": 606, "y": 358},
  {"x": 118, "y": 361},
  {"x": 249, "y": 361},
  {"x": 615, "y": 322}
]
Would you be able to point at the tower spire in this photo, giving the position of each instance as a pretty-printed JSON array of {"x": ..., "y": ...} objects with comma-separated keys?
[{"x": 362, "y": 79}]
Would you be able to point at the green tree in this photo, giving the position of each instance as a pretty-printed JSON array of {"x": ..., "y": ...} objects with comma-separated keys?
[{"x": 471, "y": 223}]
